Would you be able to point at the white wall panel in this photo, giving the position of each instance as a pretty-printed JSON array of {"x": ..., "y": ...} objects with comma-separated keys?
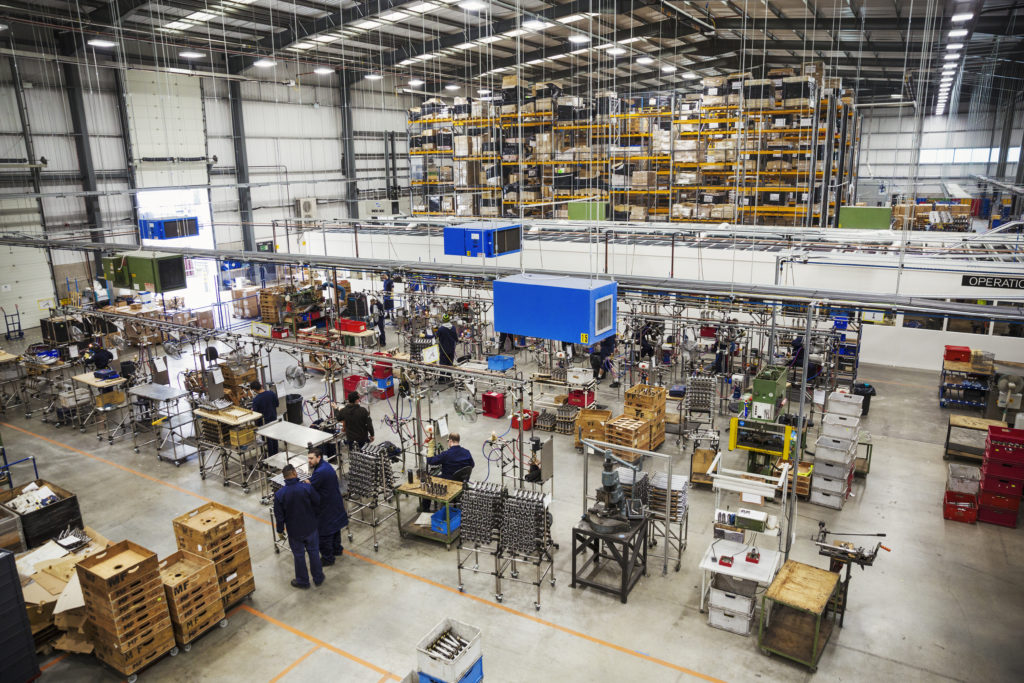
[
  {"x": 47, "y": 110},
  {"x": 101, "y": 112},
  {"x": 25, "y": 282}
]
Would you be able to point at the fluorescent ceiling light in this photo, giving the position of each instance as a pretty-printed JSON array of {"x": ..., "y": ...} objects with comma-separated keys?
[
  {"x": 572, "y": 18},
  {"x": 952, "y": 57},
  {"x": 490, "y": 39},
  {"x": 645, "y": 60},
  {"x": 536, "y": 61},
  {"x": 949, "y": 67},
  {"x": 579, "y": 38},
  {"x": 954, "y": 46},
  {"x": 627, "y": 41},
  {"x": 423, "y": 58},
  {"x": 465, "y": 46},
  {"x": 896, "y": 96},
  {"x": 965, "y": 16},
  {"x": 201, "y": 16},
  {"x": 579, "y": 52},
  {"x": 305, "y": 45},
  {"x": 99, "y": 42},
  {"x": 668, "y": 68},
  {"x": 325, "y": 39},
  {"x": 416, "y": 81},
  {"x": 394, "y": 16},
  {"x": 560, "y": 55},
  {"x": 323, "y": 70},
  {"x": 536, "y": 24},
  {"x": 4, "y": 27},
  {"x": 958, "y": 33},
  {"x": 616, "y": 50},
  {"x": 452, "y": 86},
  {"x": 264, "y": 63},
  {"x": 483, "y": 91},
  {"x": 515, "y": 32},
  {"x": 367, "y": 24},
  {"x": 691, "y": 75},
  {"x": 176, "y": 70},
  {"x": 189, "y": 54},
  {"x": 472, "y": 5},
  {"x": 178, "y": 25},
  {"x": 373, "y": 77},
  {"x": 422, "y": 7},
  {"x": 406, "y": 62}
]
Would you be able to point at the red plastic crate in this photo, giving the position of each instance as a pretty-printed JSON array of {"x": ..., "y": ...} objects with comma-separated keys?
[
  {"x": 346, "y": 325},
  {"x": 961, "y": 354},
  {"x": 1005, "y": 444},
  {"x": 999, "y": 502},
  {"x": 578, "y": 397},
  {"x": 994, "y": 484},
  {"x": 1003, "y": 469},
  {"x": 1000, "y": 517},
  {"x": 493, "y": 404},
  {"x": 960, "y": 507},
  {"x": 350, "y": 383},
  {"x": 382, "y": 370},
  {"x": 279, "y": 333},
  {"x": 528, "y": 416}
]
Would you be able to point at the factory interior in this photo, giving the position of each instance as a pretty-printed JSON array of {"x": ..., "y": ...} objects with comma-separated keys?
[{"x": 418, "y": 340}]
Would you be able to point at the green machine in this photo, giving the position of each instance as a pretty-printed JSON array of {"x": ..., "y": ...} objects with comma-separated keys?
[
  {"x": 115, "y": 270},
  {"x": 155, "y": 272},
  {"x": 770, "y": 384}
]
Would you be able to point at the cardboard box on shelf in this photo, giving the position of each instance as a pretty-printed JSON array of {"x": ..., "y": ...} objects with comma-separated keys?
[
  {"x": 644, "y": 179},
  {"x": 509, "y": 81}
]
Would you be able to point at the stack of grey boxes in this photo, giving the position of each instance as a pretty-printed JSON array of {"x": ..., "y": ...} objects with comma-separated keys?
[
  {"x": 18, "y": 661},
  {"x": 836, "y": 450}
]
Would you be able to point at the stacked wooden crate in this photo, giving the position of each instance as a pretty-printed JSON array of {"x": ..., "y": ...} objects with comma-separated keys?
[
  {"x": 647, "y": 402},
  {"x": 217, "y": 533},
  {"x": 126, "y": 612},
  {"x": 1002, "y": 477},
  {"x": 628, "y": 431},
  {"x": 236, "y": 382},
  {"x": 193, "y": 595},
  {"x": 272, "y": 304},
  {"x": 590, "y": 425}
]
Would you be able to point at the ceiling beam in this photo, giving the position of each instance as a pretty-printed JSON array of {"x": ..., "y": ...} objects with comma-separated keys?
[{"x": 992, "y": 25}]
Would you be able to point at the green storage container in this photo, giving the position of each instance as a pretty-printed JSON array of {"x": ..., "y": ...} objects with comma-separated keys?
[
  {"x": 155, "y": 272},
  {"x": 588, "y": 211},
  {"x": 115, "y": 270},
  {"x": 770, "y": 384},
  {"x": 865, "y": 217}
]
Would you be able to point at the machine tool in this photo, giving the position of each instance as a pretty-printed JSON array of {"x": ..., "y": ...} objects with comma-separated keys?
[
  {"x": 842, "y": 553},
  {"x": 613, "y": 511}
]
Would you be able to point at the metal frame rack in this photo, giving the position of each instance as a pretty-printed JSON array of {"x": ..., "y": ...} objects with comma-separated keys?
[
  {"x": 157, "y": 410},
  {"x": 371, "y": 485},
  {"x": 237, "y": 463}
]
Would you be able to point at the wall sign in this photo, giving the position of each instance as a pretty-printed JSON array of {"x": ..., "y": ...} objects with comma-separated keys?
[{"x": 993, "y": 281}]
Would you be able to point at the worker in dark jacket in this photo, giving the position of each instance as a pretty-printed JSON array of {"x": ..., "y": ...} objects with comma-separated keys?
[
  {"x": 295, "y": 509},
  {"x": 453, "y": 459},
  {"x": 447, "y": 338},
  {"x": 100, "y": 357},
  {"x": 358, "y": 423},
  {"x": 265, "y": 403},
  {"x": 333, "y": 517},
  {"x": 389, "y": 298}
]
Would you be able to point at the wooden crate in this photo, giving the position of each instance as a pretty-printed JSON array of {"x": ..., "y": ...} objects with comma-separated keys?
[
  {"x": 193, "y": 594},
  {"x": 118, "y": 569},
  {"x": 591, "y": 422},
  {"x": 646, "y": 396},
  {"x": 237, "y": 590},
  {"x": 128, "y": 661},
  {"x": 653, "y": 414},
  {"x": 242, "y": 437},
  {"x": 628, "y": 431},
  {"x": 208, "y": 528}
]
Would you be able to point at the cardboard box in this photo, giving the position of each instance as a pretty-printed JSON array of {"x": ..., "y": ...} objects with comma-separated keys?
[
  {"x": 644, "y": 179},
  {"x": 509, "y": 81}
]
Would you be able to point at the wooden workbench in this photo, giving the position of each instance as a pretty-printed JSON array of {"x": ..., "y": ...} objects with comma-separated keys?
[
  {"x": 960, "y": 366},
  {"x": 795, "y": 620},
  {"x": 453, "y": 489},
  {"x": 962, "y": 450},
  {"x": 91, "y": 380},
  {"x": 233, "y": 416}
]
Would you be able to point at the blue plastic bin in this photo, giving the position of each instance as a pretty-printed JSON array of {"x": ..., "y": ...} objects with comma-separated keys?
[
  {"x": 474, "y": 675},
  {"x": 437, "y": 520},
  {"x": 500, "y": 363}
]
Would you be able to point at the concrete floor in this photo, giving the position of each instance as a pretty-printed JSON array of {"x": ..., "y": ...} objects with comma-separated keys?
[{"x": 945, "y": 604}]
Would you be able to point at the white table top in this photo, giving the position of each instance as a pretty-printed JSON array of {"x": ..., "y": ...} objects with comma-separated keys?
[
  {"x": 762, "y": 572},
  {"x": 157, "y": 392},
  {"x": 293, "y": 434},
  {"x": 91, "y": 380}
]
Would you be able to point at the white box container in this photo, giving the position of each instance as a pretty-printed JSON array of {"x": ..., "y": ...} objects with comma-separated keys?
[
  {"x": 831, "y": 449},
  {"x": 841, "y": 426},
  {"x": 963, "y": 478},
  {"x": 579, "y": 376},
  {"x": 832, "y": 469},
  {"x": 736, "y": 596},
  {"x": 827, "y": 499},
  {"x": 845, "y": 404},
  {"x": 734, "y": 622},
  {"x": 434, "y": 665},
  {"x": 829, "y": 484}
]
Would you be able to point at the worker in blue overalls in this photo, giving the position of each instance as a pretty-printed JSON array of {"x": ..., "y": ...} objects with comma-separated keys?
[
  {"x": 447, "y": 338},
  {"x": 295, "y": 509},
  {"x": 389, "y": 298},
  {"x": 265, "y": 403},
  {"x": 333, "y": 517}
]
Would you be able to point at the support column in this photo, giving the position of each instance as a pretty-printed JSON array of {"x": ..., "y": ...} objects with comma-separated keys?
[
  {"x": 83, "y": 147},
  {"x": 126, "y": 144},
  {"x": 241, "y": 165},
  {"x": 1004, "y": 143},
  {"x": 348, "y": 147}
]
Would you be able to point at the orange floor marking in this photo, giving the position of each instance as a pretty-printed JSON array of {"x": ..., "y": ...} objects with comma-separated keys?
[
  {"x": 53, "y": 661},
  {"x": 294, "y": 664}
]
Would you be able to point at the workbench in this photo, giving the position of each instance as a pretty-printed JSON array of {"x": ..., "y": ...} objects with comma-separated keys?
[
  {"x": 413, "y": 490},
  {"x": 107, "y": 398},
  {"x": 626, "y": 549},
  {"x": 300, "y": 437},
  {"x": 796, "y": 620},
  {"x": 11, "y": 385},
  {"x": 957, "y": 378},
  {"x": 964, "y": 450},
  {"x": 761, "y": 572},
  {"x": 44, "y": 382},
  {"x": 227, "y": 444},
  {"x": 156, "y": 409}
]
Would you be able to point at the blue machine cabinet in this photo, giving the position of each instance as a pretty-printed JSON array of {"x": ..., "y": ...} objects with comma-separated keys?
[
  {"x": 168, "y": 228},
  {"x": 569, "y": 309},
  {"x": 482, "y": 239}
]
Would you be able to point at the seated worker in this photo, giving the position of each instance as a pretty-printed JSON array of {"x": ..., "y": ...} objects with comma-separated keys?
[
  {"x": 265, "y": 403},
  {"x": 358, "y": 423},
  {"x": 453, "y": 459},
  {"x": 100, "y": 357}
]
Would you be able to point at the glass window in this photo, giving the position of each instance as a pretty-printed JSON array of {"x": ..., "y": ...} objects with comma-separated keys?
[
  {"x": 1009, "y": 329},
  {"x": 962, "y": 156},
  {"x": 969, "y": 325},
  {"x": 943, "y": 156},
  {"x": 923, "y": 321},
  {"x": 928, "y": 156},
  {"x": 603, "y": 318},
  {"x": 982, "y": 154}
]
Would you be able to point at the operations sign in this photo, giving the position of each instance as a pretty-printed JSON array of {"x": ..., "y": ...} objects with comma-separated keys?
[{"x": 993, "y": 281}]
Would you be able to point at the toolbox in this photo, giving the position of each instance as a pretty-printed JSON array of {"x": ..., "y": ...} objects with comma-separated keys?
[{"x": 959, "y": 354}]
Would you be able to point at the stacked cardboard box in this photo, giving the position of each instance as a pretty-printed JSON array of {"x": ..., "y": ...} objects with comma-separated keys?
[
  {"x": 217, "y": 533},
  {"x": 126, "y": 613},
  {"x": 236, "y": 382},
  {"x": 193, "y": 595},
  {"x": 245, "y": 302},
  {"x": 590, "y": 425}
]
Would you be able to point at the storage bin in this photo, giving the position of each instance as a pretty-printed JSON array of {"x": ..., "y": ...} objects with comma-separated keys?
[
  {"x": 845, "y": 404},
  {"x": 437, "y": 520},
  {"x": 732, "y": 595},
  {"x": 998, "y": 517},
  {"x": 449, "y": 670},
  {"x": 999, "y": 501},
  {"x": 841, "y": 426},
  {"x": 734, "y": 622},
  {"x": 995, "y": 484},
  {"x": 827, "y": 499},
  {"x": 39, "y": 526},
  {"x": 500, "y": 363},
  {"x": 963, "y": 478},
  {"x": 960, "y": 507},
  {"x": 831, "y": 484},
  {"x": 832, "y": 449},
  {"x": 958, "y": 354},
  {"x": 1003, "y": 469},
  {"x": 832, "y": 469},
  {"x": 11, "y": 536}
]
